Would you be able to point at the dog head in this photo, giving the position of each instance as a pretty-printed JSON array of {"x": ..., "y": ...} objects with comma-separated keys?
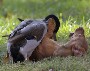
[
  {"x": 79, "y": 32},
  {"x": 78, "y": 41}
]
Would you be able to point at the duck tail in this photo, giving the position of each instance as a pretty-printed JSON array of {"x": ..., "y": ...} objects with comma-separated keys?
[{"x": 5, "y": 36}]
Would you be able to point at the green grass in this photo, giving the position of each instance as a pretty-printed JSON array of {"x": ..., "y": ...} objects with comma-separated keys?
[
  {"x": 71, "y": 13},
  {"x": 58, "y": 64}
]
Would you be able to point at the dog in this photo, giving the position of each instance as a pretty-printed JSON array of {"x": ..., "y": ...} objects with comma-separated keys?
[{"x": 76, "y": 46}]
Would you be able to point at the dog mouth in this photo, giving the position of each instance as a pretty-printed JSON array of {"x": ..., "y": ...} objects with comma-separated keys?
[{"x": 78, "y": 52}]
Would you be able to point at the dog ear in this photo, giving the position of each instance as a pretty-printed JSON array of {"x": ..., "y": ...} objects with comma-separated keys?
[
  {"x": 20, "y": 19},
  {"x": 78, "y": 51},
  {"x": 79, "y": 30},
  {"x": 71, "y": 34}
]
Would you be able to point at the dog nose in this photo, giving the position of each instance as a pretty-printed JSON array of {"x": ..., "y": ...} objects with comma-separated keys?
[{"x": 79, "y": 34}]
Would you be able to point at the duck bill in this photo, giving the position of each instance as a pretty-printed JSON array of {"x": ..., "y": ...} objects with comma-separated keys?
[{"x": 6, "y": 58}]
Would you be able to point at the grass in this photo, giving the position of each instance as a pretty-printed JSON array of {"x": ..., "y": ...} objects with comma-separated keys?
[
  {"x": 58, "y": 64},
  {"x": 71, "y": 13}
]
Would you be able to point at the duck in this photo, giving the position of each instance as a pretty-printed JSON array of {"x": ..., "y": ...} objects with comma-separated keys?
[
  {"x": 25, "y": 38},
  {"x": 57, "y": 23}
]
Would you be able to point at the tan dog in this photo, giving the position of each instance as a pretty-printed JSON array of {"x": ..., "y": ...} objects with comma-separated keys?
[{"x": 76, "y": 46}]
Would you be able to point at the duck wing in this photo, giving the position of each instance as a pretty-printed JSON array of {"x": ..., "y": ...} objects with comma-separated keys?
[{"x": 27, "y": 29}]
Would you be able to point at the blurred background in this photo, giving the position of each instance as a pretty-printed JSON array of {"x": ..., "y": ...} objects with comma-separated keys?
[
  {"x": 41, "y": 8},
  {"x": 71, "y": 13}
]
